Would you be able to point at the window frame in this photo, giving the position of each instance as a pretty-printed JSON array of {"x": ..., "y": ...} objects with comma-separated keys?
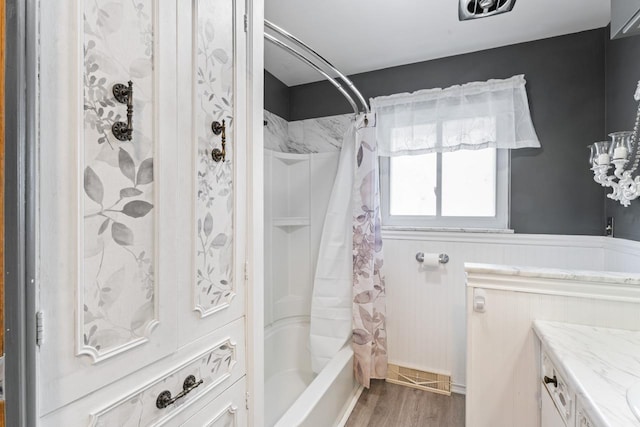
[{"x": 499, "y": 222}]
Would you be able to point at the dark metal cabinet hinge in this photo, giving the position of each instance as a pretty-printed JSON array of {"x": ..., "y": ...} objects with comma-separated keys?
[{"x": 246, "y": 23}]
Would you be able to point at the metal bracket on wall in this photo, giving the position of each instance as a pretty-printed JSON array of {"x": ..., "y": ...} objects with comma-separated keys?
[{"x": 608, "y": 230}]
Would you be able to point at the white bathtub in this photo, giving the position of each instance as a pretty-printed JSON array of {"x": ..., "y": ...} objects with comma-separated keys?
[{"x": 294, "y": 395}]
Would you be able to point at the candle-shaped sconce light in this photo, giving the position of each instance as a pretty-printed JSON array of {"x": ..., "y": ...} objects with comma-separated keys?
[
  {"x": 602, "y": 153},
  {"x": 615, "y": 164},
  {"x": 620, "y": 143},
  {"x": 592, "y": 154}
]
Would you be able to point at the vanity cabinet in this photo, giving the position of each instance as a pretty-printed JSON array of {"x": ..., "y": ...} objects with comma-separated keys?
[
  {"x": 557, "y": 398},
  {"x": 625, "y": 18},
  {"x": 141, "y": 212},
  {"x": 583, "y": 419},
  {"x": 549, "y": 415}
]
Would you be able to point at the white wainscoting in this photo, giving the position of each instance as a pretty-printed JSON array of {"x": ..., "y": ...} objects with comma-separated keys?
[
  {"x": 621, "y": 255},
  {"x": 502, "y": 378},
  {"x": 426, "y": 321}
]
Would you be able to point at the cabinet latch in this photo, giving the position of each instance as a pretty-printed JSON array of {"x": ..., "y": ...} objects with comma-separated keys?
[{"x": 39, "y": 328}]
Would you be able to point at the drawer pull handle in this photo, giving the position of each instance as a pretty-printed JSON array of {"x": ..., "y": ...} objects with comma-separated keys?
[
  {"x": 124, "y": 95},
  {"x": 218, "y": 154},
  {"x": 553, "y": 380},
  {"x": 164, "y": 399}
]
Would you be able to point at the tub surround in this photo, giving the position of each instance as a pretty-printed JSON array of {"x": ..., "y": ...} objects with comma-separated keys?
[
  {"x": 599, "y": 364},
  {"x": 319, "y": 135}
]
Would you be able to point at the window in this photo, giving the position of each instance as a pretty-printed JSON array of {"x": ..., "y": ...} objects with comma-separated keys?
[
  {"x": 444, "y": 153},
  {"x": 457, "y": 189}
]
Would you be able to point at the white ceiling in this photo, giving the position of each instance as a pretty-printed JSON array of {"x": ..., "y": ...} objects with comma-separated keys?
[{"x": 364, "y": 35}]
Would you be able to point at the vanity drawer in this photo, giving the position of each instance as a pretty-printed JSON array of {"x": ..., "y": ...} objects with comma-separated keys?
[
  {"x": 214, "y": 364},
  {"x": 560, "y": 393},
  {"x": 226, "y": 410},
  {"x": 583, "y": 419}
]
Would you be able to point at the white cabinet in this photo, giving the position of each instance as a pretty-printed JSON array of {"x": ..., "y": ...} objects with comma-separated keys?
[
  {"x": 583, "y": 419},
  {"x": 549, "y": 414},
  {"x": 563, "y": 398},
  {"x": 141, "y": 244},
  {"x": 558, "y": 399},
  {"x": 225, "y": 411}
]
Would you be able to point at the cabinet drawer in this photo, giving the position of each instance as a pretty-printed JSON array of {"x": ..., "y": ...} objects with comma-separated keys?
[
  {"x": 226, "y": 410},
  {"x": 560, "y": 393},
  {"x": 219, "y": 362},
  {"x": 583, "y": 418}
]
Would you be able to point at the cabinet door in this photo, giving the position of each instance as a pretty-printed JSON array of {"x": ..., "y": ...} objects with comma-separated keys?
[
  {"x": 106, "y": 205},
  {"x": 550, "y": 417},
  {"x": 141, "y": 230},
  {"x": 225, "y": 411},
  {"x": 212, "y": 198}
]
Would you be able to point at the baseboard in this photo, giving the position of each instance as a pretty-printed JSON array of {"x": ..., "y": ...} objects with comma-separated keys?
[
  {"x": 458, "y": 388},
  {"x": 350, "y": 407}
]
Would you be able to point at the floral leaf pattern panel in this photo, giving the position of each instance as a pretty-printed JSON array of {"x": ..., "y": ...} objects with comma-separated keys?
[
  {"x": 117, "y": 288},
  {"x": 214, "y": 202}
]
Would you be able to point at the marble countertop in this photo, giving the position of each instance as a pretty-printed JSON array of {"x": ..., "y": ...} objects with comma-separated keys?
[
  {"x": 600, "y": 364},
  {"x": 554, "y": 273}
]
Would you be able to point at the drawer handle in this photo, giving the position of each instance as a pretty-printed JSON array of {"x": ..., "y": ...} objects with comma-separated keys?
[
  {"x": 124, "y": 95},
  {"x": 218, "y": 154},
  {"x": 164, "y": 399},
  {"x": 553, "y": 380}
]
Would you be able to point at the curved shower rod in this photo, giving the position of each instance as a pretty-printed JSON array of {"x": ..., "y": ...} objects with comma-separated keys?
[
  {"x": 300, "y": 56},
  {"x": 304, "y": 59}
]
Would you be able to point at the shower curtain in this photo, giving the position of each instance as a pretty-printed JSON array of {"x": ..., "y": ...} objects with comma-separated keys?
[
  {"x": 369, "y": 309},
  {"x": 331, "y": 299},
  {"x": 349, "y": 293}
]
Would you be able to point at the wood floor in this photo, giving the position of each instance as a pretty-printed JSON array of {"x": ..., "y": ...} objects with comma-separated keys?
[{"x": 391, "y": 405}]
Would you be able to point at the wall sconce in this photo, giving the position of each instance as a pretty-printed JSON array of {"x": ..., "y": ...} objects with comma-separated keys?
[{"x": 623, "y": 154}]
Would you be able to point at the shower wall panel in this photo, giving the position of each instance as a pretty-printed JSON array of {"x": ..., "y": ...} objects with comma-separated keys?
[
  {"x": 301, "y": 161},
  {"x": 297, "y": 191},
  {"x": 320, "y": 135}
]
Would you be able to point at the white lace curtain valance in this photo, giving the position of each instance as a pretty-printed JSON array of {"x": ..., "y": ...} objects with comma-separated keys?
[{"x": 467, "y": 117}]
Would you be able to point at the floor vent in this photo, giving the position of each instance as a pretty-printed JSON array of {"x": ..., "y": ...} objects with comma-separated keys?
[{"x": 421, "y": 380}]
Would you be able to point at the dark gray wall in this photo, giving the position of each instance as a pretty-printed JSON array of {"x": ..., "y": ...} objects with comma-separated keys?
[
  {"x": 622, "y": 75},
  {"x": 552, "y": 190},
  {"x": 276, "y": 96}
]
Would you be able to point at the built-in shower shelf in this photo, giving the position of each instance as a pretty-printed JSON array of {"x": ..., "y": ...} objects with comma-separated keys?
[
  {"x": 290, "y": 158},
  {"x": 291, "y": 221}
]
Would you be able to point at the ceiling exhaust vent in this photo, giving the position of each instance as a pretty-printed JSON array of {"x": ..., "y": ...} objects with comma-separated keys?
[{"x": 474, "y": 9}]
